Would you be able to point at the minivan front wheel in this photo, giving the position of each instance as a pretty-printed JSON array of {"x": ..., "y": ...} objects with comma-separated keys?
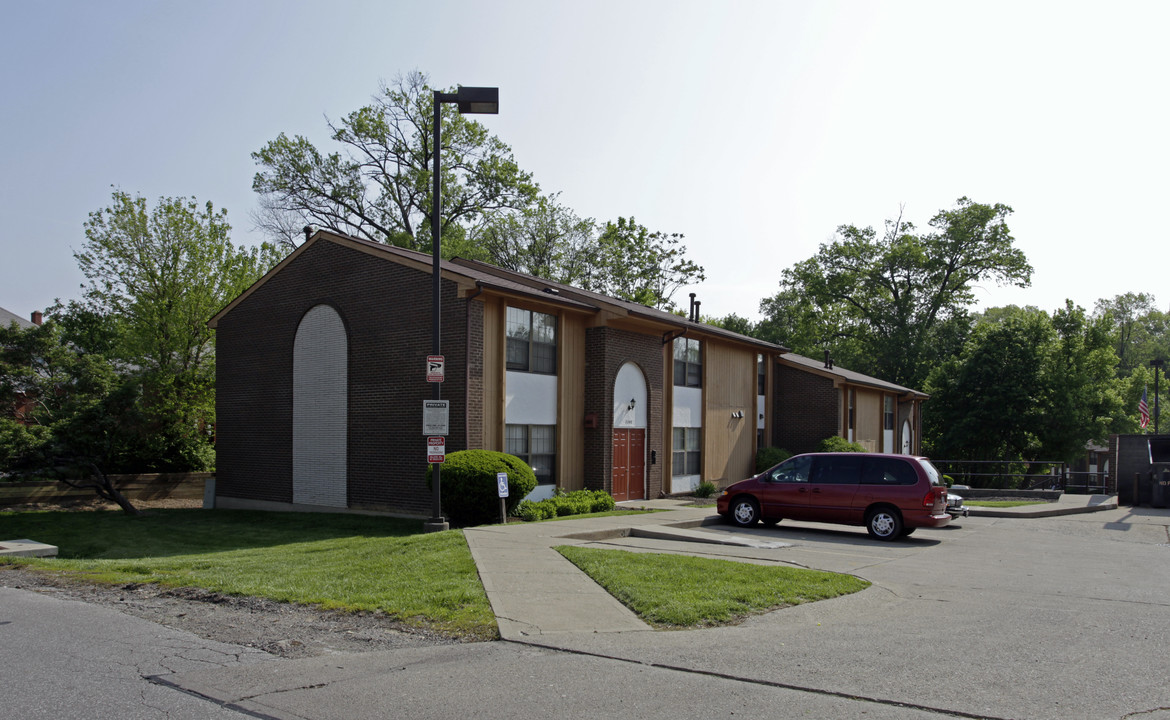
[
  {"x": 744, "y": 511},
  {"x": 884, "y": 523}
]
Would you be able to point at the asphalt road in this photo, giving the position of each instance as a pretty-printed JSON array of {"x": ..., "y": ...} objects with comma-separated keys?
[{"x": 1000, "y": 618}]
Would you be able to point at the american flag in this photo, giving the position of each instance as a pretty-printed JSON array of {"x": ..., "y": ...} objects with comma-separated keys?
[{"x": 1144, "y": 410}]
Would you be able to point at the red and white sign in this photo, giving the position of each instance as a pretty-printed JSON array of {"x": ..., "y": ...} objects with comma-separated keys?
[
  {"x": 436, "y": 365},
  {"x": 436, "y": 449}
]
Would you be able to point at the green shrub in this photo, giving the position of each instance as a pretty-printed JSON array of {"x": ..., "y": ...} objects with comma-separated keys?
[
  {"x": 469, "y": 492},
  {"x": 767, "y": 457},
  {"x": 705, "y": 489},
  {"x": 562, "y": 504},
  {"x": 602, "y": 501},
  {"x": 529, "y": 511},
  {"x": 836, "y": 443}
]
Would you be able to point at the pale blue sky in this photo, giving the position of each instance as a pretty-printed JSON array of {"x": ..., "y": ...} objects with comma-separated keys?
[{"x": 754, "y": 128}]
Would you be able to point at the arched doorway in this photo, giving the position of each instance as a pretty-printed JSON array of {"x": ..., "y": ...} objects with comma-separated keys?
[
  {"x": 630, "y": 411},
  {"x": 320, "y": 409}
]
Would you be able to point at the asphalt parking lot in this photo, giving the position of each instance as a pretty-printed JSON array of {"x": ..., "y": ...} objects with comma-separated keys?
[
  {"x": 990, "y": 617},
  {"x": 1059, "y": 617}
]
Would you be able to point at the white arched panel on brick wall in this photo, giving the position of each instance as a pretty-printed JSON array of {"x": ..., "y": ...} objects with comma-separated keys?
[
  {"x": 320, "y": 409},
  {"x": 629, "y": 398}
]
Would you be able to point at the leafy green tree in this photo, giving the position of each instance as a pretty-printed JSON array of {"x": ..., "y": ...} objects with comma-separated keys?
[
  {"x": 642, "y": 266},
  {"x": 378, "y": 185},
  {"x": 61, "y": 425},
  {"x": 156, "y": 275},
  {"x": 1026, "y": 386},
  {"x": 734, "y": 323},
  {"x": 890, "y": 305},
  {"x": 1128, "y": 314},
  {"x": 545, "y": 239},
  {"x": 792, "y": 319},
  {"x": 1083, "y": 396},
  {"x": 987, "y": 403}
]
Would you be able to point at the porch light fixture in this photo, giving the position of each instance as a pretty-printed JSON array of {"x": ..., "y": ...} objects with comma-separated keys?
[
  {"x": 470, "y": 100},
  {"x": 631, "y": 405}
]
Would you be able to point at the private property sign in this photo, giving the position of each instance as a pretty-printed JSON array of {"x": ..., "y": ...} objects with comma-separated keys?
[
  {"x": 436, "y": 449},
  {"x": 435, "y": 417}
]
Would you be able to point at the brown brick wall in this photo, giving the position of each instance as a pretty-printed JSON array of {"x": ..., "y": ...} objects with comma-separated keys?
[
  {"x": 386, "y": 309},
  {"x": 606, "y": 350},
  {"x": 805, "y": 410}
]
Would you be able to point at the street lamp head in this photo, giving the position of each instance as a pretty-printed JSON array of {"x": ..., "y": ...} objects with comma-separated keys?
[{"x": 478, "y": 100}]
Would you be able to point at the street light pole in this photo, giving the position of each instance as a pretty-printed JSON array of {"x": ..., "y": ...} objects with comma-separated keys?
[
  {"x": 1157, "y": 365},
  {"x": 470, "y": 100}
]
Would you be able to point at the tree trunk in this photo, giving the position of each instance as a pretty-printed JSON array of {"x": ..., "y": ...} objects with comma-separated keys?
[{"x": 101, "y": 484}]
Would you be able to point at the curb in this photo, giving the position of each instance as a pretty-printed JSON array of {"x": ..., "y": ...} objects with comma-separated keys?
[{"x": 975, "y": 511}]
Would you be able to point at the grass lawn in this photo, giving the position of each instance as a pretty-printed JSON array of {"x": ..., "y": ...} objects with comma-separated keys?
[
  {"x": 344, "y": 562},
  {"x": 683, "y": 591},
  {"x": 1004, "y": 503}
]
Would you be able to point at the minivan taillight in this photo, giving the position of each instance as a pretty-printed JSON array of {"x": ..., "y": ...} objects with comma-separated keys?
[{"x": 930, "y": 499}]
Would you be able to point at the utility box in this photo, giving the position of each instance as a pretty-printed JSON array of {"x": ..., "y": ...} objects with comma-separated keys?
[{"x": 1142, "y": 469}]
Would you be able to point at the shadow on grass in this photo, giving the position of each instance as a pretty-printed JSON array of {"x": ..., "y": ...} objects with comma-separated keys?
[{"x": 163, "y": 533}]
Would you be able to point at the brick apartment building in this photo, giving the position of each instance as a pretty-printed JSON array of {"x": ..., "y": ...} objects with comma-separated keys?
[{"x": 321, "y": 381}]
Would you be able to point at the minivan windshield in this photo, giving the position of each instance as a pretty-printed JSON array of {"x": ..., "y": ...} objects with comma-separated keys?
[{"x": 932, "y": 473}]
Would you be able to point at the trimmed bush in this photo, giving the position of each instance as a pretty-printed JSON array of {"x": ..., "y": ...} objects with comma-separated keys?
[
  {"x": 767, "y": 457},
  {"x": 529, "y": 511},
  {"x": 705, "y": 489},
  {"x": 578, "y": 502},
  {"x": 836, "y": 443},
  {"x": 469, "y": 492},
  {"x": 602, "y": 501}
]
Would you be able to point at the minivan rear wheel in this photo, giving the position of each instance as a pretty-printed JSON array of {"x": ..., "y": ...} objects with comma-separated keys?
[
  {"x": 744, "y": 511},
  {"x": 884, "y": 523}
]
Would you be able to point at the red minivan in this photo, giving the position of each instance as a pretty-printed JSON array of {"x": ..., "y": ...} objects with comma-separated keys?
[{"x": 891, "y": 495}]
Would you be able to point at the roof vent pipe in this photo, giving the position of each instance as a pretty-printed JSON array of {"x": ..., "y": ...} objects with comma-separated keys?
[
  {"x": 691, "y": 316},
  {"x": 308, "y": 232},
  {"x": 828, "y": 361},
  {"x": 697, "y": 304}
]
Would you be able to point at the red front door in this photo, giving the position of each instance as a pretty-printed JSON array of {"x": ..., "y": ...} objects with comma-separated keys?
[{"x": 629, "y": 464}]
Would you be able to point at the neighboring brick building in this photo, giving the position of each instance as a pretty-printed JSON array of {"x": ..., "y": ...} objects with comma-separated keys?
[
  {"x": 23, "y": 403},
  {"x": 321, "y": 381},
  {"x": 815, "y": 399}
]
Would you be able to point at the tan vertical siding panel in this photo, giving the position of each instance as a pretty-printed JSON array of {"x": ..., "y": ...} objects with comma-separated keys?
[
  {"x": 571, "y": 403},
  {"x": 666, "y": 456},
  {"x": 869, "y": 419},
  {"x": 729, "y": 387}
]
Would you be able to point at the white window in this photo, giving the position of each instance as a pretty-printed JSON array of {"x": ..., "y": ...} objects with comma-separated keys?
[
  {"x": 688, "y": 451},
  {"x": 688, "y": 362},
  {"x": 535, "y": 445},
  {"x": 532, "y": 341}
]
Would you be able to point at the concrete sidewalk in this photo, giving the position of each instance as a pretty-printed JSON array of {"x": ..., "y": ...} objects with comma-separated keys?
[{"x": 535, "y": 591}]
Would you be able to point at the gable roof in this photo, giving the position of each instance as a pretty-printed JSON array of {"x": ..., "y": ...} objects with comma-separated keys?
[
  {"x": 840, "y": 374},
  {"x": 476, "y": 274},
  {"x": 7, "y": 318}
]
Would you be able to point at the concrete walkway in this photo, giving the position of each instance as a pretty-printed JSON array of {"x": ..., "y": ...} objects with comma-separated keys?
[{"x": 535, "y": 591}]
